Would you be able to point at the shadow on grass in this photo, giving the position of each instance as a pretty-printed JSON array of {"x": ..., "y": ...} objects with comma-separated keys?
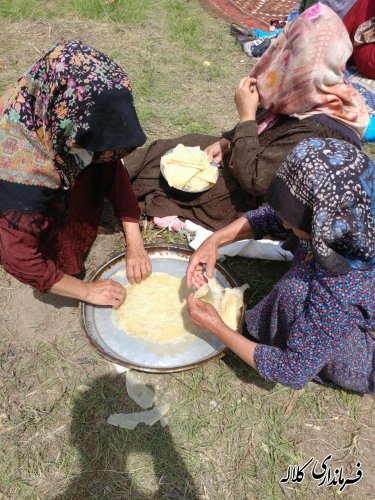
[
  {"x": 56, "y": 301},
  {"x": 119, "y": 463},
  {"x": 245, "y": 373}
]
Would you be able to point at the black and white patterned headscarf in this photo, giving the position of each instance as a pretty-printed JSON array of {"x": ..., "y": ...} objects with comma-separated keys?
[{"x": 326, "y": 187}]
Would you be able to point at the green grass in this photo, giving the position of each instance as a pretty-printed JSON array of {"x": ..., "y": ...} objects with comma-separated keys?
[
  {"x": 119, "y": 11},
  {"x": 24, "y": 9},
  {"x": 185, "y": 27}
]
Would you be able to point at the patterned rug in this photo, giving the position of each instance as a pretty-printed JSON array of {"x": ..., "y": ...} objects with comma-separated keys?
[
  {"x": 365, "y": 86},
  {"x": 252, "y": 13}
]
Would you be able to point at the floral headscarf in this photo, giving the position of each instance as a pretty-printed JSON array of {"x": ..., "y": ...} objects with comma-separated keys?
[
  {"x": 74, "y": 100},
  {"x": 301, "y": 73},
  {"x": 326, "y": 187}
]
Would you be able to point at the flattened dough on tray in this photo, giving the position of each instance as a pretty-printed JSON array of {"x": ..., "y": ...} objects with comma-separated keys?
[{"x": 155, "y": 309}]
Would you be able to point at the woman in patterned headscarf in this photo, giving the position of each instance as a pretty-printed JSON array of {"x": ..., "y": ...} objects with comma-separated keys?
[
  {"x": 64, "y": 126},
  {"x": 318, "y": 322},
  {"x": 300, "y": 85}
]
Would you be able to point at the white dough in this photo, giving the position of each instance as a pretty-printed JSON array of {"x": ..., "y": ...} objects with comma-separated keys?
[{"x": 228, "y": 302}]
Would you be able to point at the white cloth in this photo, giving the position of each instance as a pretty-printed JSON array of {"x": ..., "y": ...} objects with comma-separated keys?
[{"x": 253, "y": 249}]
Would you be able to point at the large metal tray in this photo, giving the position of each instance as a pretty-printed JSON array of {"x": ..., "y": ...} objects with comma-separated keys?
[{"x": 136, "y": 353}]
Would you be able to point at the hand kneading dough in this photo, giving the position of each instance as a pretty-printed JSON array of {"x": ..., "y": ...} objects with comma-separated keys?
[
  {"x": 228, "y": 302},
  {"x": 188, "y": 168},
  {"x": 156, "y": 310}
]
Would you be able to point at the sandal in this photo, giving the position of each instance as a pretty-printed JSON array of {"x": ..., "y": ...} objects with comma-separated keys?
[{"x": 236, "y": 29}]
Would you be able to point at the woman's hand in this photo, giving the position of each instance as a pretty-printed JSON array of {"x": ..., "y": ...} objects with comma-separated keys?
[
  {"x": 206, "y": 254},
  {"x": 247, "y": 98},
  {"x": 217, "y": 150},
  {"x": 204, "y": 315},
  {"x": 138, "y": 264},
  {"x": 104, "y": 293}
]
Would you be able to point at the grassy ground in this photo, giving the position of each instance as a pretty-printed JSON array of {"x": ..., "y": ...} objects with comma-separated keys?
[{"x": 230, "y": 434}]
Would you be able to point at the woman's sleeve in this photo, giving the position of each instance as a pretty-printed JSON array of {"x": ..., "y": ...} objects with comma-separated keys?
[
  {"x": 123, "y": 197},
  {"x": 229, "y": 134},
  {"x": 316, "y": 337},
  {"x": 263, "y": 222},
  {"x": 254, "y": 166},
  {"x": 250, "y": 169},
  {"x": 21, "y": 257}
]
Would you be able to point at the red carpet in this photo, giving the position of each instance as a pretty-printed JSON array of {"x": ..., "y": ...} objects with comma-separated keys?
[{"x": 253, "y": 13}]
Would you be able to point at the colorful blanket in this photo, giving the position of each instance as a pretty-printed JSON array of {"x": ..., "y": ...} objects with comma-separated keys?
[
  {"x": 366, "y": 87},
  {"x": 252, "y": 13}
]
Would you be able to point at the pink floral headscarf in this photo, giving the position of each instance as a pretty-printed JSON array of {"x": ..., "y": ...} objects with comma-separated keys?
[{"x": 301, "y": 73}]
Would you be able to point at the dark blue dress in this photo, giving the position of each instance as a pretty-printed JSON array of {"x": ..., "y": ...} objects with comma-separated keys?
[{"x": 314, "y": 324}]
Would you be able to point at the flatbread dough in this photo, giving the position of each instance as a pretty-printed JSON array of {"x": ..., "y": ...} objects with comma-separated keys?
[
  {"x": 188, "y": 168},
  {"x": 228, "y": 302},
  {"x": 156, "y": 309}
]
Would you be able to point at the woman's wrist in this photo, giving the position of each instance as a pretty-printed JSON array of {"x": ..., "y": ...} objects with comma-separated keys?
[
  {"x": 132, "y": 233},
  {"x": 237, "y": 230},
  {"x": 221, "y": 330},
  {"x": 247, "y": 117},
  {"x": 240, "y": 345},
  {"x": 85, "y": 291},
  {"x": 214, "y": 239},
  {"x": 71, "y": 287}
]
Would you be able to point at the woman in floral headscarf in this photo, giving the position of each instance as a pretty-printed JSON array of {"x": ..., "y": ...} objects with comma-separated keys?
[
  {"x": 64, "y": 126},
  {"x": 317, "y": 323}
]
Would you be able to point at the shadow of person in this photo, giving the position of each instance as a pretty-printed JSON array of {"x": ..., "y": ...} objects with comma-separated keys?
[
  {"x": 56, "y": 301},
  {"x": 120, "y": 463}
]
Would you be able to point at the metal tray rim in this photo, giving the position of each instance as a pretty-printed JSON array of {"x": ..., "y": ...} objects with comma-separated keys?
[{"x": 233, "y": 281}]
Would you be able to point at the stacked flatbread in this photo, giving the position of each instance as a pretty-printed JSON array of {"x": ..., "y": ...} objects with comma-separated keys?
[{"x": 188, "y": 169}]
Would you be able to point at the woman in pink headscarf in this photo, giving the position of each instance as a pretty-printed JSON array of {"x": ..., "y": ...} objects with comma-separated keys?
[{"x": 300, "y": 85}]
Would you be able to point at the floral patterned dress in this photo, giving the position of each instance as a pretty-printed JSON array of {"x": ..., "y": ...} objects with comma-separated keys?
[{"x": 314, "y": 324}]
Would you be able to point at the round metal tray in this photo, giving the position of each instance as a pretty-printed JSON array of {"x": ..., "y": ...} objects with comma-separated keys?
[{"x": 133, "y": 352}]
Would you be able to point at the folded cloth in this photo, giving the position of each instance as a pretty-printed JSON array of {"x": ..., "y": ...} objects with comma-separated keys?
[
  {"x": 257, "y": 50},
  {"x": 253, "y": 249},
  {"x": 261, "y": 34},
  {"x": 292, "y": 15},
  {"x": 172, "y": 222},
  {"x": 370, "y": 132}
]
